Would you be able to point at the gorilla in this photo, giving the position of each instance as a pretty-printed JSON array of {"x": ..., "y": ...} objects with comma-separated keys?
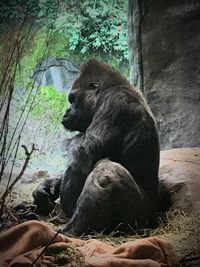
[{"x": 112, "y": 178}]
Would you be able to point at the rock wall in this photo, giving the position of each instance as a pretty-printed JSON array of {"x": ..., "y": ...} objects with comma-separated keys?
[
  {"x": 171, "y": 61},
  {"x": 57, "y": 72}
]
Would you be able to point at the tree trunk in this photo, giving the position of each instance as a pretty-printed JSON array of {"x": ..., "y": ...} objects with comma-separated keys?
[
  {"x": 134, "y": 42},
  {"x": 137, "y": 9}
]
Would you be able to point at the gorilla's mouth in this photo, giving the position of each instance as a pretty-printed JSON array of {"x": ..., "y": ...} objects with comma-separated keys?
[
  {"x": 67, "y": 119},
  {"x": 76, "y": 119},
  {"x": 71, "y": 124},
  {"x": 66, "y": 122}
]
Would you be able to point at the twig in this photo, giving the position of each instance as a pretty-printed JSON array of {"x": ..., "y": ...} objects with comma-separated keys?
[
  {"x": 23, "y": 110},
  {"x": 28, "y": 98},
  {"x": 165, "y": 256},
  {"x": 45, "y": 248},
  {"x": 189, "y": 257},
  {"x": 14, "y": 159},
  {"x": 13, "y": 216},
  {"x": 10, "y": 187},
  {"x": 194, "y": 258},
  {"x": 12, "y": 53}
]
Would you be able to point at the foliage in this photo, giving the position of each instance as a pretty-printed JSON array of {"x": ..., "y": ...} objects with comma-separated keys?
[
  {"x": 17, "y": 9},
  {"x": 49, "y": 106},
  {"x": 76, "y": 30},
  {"x": 90, "y": 26},
  {"x": 72, "y": 29},
  {"x": 39, "y": 51}
]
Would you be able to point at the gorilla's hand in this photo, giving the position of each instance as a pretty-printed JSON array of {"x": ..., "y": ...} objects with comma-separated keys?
[{"x": 45, "y": 195}]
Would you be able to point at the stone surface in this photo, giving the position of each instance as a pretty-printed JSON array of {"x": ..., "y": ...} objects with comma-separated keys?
[
  {"x": 180, "y": 171},
  {"x": 38, "y": 175},
  {"x": 58, "y": 72},
  {"x": 171, "y": 58}
]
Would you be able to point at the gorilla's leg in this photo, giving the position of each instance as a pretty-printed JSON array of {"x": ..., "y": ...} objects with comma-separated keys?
[{"x": 110, "y": 197}]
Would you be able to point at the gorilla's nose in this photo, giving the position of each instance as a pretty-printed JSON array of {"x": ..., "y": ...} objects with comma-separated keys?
[
  {"x": 71, "y": 97},
  {"x": 65, "y": 117},
  {"x": 64, "y": 121},
  {"x": 67, "y": 113}
]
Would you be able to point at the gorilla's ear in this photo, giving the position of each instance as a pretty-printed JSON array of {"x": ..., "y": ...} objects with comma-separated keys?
[{"x": 94, "y": 86}]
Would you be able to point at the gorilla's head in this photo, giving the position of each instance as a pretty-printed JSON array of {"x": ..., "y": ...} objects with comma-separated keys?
[
  {"x": 82, "y": 98},
  {"x": 95, "y": 77}
]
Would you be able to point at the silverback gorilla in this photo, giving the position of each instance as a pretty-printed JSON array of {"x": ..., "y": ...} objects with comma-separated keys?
[{"x": 112, "y": 179}]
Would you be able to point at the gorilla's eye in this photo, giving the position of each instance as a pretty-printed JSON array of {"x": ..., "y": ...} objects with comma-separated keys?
[{"x": 94, "y": 86}]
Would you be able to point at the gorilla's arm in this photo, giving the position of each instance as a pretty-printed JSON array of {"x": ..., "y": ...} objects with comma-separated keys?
[{"x": 49, "y": 190}]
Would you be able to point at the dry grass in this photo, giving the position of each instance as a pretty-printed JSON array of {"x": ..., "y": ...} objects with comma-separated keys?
[{"x": 181, "y": 229}]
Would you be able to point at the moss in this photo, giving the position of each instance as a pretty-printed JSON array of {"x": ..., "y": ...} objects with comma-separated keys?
[{"x": 50, "y": 106}]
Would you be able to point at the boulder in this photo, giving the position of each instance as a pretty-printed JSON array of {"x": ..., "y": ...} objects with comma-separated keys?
[
  {"x": 171, "y": 67},
  {"x": 180, "y": 172},
  {"x": 57, "y": 72},
  {"x": 36, "y": 176}
]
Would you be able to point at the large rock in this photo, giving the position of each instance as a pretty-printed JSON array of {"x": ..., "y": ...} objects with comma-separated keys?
[
  {"x": 180, "y": 171},
  {"x": 171, "y": 58},
  {"x": 57, "y": 72}
]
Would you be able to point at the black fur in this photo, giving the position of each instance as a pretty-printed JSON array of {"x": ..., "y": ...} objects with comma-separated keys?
[{"x": 112, "y": 178}]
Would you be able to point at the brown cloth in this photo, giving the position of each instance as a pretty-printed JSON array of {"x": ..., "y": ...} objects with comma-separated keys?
[{"x": 21, "y": 245}]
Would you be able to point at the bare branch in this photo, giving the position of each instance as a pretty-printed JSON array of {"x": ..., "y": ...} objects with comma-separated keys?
[
  {"x": 10, "y": 187},
  {"x": 45, "y": 248}
]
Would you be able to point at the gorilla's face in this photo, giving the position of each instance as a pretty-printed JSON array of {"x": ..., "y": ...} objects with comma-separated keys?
[{"x": 83, "y": 97}]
